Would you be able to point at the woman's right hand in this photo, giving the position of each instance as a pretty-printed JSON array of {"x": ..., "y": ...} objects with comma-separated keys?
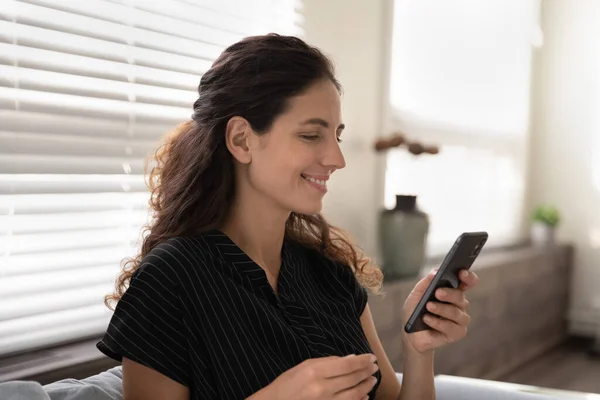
[{"x": 327, "y": 378}]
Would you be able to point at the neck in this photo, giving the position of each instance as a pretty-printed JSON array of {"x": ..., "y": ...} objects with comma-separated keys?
[{"x": 258, "y": 228}]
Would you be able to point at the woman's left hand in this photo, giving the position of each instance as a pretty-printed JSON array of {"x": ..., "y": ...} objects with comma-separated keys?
[{"x": 449, "y": 321}]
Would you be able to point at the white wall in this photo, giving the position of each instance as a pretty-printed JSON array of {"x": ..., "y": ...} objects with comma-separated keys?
[
  {"x": 352, "y": 33},
  {"x": 565, "y": 140}
]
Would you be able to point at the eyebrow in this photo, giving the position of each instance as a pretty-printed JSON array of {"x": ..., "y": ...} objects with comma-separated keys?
[{"x": 322, "y": 122}]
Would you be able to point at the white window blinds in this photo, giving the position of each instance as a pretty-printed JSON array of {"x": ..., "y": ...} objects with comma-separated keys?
[
  {"x": 460, "y": 76},
  {"x": 86, "y": 89}
]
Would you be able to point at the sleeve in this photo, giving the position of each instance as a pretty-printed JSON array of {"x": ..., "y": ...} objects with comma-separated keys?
[
  {"x": 344, "y": 282},
  {"x": 358, "y": 292},
  {"x": 147, "y": 325}
]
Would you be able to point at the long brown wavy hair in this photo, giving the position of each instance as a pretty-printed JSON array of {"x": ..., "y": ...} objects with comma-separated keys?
[{"x": 192, "y": 174}]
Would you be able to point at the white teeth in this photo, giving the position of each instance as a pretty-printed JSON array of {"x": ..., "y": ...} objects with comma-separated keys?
[{"x": 318, "y": 181}]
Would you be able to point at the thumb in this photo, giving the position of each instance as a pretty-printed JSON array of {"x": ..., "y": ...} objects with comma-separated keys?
[{"x": 422, "y": 285}]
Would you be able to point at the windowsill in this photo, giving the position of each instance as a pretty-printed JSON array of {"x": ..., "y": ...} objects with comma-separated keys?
[
  {"x": 74, "y": 360},
  {"x": 489, "y": 258},
  {"x": 487, "y": 252}
]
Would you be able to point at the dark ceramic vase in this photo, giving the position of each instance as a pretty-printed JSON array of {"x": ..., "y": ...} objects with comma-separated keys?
[{"x": 403, "y": 238}]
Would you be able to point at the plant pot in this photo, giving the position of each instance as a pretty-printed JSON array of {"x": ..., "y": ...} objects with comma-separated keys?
[
  {"x": 543, "y": 235},
  {"x": 402, "y": 239}
]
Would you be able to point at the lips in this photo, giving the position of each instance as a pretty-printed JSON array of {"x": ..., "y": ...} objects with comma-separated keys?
[
  {"x": 316, "y": 183},
  {"x": 321, "y": 182}
]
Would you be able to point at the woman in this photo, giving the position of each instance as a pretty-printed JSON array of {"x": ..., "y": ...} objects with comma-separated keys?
[{"x": 242, "y": 289}]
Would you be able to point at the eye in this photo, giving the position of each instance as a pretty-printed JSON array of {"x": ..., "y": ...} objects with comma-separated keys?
[
  {"x": 338, "y": 135},
  {"x": 310, "y": 138}
]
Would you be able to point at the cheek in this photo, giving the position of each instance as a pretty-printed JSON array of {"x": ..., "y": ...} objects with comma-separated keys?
[
  {"x": 276, "y": 173},
  {"x": 278, "y": 166}
]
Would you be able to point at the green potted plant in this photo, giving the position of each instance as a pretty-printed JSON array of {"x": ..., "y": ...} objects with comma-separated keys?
[{"x": 545, "y": 219}]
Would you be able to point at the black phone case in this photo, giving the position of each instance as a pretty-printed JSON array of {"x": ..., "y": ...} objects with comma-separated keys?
[{"x": 463, "y": 253}]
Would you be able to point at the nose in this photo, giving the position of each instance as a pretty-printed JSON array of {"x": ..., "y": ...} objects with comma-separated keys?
[{"x": 333, "y": 156}]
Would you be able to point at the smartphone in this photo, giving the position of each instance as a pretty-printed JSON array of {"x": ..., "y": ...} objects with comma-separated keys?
[{"x": 461, "y": 256}]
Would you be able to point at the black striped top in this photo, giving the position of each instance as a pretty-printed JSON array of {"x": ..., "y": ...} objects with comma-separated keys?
[{"x": 201, "y": 312}]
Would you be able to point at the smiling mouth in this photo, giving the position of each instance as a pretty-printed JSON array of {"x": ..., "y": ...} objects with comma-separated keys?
[{"x": 319, "y": 182}]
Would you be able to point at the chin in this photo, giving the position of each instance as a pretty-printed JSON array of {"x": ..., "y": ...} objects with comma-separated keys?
[{"x": 309, "y": 209}]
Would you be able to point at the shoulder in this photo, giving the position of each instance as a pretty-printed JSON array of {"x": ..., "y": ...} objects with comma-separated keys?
[
  {"x": 179, "y": 248},
  {"x": 172, "y": 259}
]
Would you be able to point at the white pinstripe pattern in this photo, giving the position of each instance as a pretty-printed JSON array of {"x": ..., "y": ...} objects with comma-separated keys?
[{"x": 201, "y": 312}]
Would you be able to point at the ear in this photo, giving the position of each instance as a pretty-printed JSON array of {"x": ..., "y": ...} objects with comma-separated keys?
[{"x": 237, "y": 139}]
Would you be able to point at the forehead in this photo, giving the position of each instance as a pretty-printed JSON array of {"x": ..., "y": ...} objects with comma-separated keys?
[{"x": 321, "y": 100}]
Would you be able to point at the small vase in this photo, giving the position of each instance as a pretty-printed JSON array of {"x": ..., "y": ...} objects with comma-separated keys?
[
  {"x": 402, "y": 239},
  {"x": 542, "y": 235}
]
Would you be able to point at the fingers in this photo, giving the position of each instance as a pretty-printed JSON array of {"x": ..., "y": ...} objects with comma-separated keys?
[
  {"x": 454, "y": 318},
  {"x": 359, "y": 391},
  {"x": 452, "y": 296},
  {"x": 468, "y": 279},
  {"x": 354, "y": 382},
  {"x": 449, "y": 312},
  {"x": 452, "y": 331},
  {"x": 338, "y": 366}
]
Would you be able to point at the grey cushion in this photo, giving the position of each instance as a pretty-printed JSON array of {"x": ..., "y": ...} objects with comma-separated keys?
[
  {"x": 447, "y": 389},
  {"x": 22, "y": 390},
  {"x": 104, "y": 386}
]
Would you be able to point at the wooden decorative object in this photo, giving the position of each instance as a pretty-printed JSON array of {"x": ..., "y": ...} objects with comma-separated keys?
[{"x": 400, "y": 140}]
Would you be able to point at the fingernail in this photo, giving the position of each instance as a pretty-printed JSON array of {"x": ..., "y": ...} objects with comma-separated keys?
[
  {"x": 441, "y": 293},
  {"x": 373, "y": 358},
  {"x": 431, "y": 306},
  {"x": 350, "y": 355},
  {"x": 434, "y": 271},
  {"x": 464, "y": 273}
]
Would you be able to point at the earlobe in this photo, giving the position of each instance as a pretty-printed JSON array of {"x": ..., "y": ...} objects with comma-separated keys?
[{"x": 236, "y": 137}]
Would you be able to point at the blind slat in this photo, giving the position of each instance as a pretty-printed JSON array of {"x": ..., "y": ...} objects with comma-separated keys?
[
  {"x": 55, "y": 334},
  {"x": 31, "y": 264},
  {"x": 82, "y": 126},
  {"x": 60, "y": 300},
  {"x": 55, "y": 82},
  {"x": 49, "y": 184},
  {"x": 34, "y": 100},
  {"x": 60, "y": 164},
  {"x": 39, "y": 284},
  {"x": 73, "y": 221},
  {"x": 44, "y": 321},
  {"x": 81, "y": 65},
  {"x": 31, "y": 143},
  {"x": 74, "y": 202},
  {"x": 58, "y": 241}
]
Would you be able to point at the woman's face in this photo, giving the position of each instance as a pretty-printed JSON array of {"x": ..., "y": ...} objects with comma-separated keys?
[{"x": 293, "y": 161}]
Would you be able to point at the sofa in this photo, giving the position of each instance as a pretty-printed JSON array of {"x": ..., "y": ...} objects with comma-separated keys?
[{"x": 108, "y": 386}]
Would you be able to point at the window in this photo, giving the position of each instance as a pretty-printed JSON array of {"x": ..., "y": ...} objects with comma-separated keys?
[
  {"x": 86, "y": 89},
  {"x": 460, "y": 79}
]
